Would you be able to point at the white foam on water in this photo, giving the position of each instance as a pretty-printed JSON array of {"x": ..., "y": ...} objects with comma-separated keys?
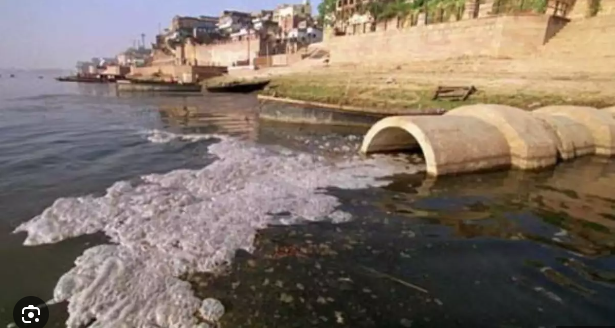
[
  {"x": 159, "y": 136},
  {"x": 189, "y": 221}
]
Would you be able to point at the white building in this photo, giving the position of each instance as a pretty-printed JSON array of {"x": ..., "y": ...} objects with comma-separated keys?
[
  {"x": 306, "y": 35},
  {"x": 304, "y": 9}
]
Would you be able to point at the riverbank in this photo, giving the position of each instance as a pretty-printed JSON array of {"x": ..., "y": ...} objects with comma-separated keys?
[
  {"x": 394, "y": 89},
  {"x": 524, "y": 83}
]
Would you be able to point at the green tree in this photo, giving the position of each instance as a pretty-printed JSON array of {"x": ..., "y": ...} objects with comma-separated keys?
[
  {"x": 325, "y": 9},
  {"x": 388, "y": 10}
]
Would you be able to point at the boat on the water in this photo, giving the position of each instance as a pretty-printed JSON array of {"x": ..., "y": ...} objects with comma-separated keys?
[
  {"x": 85, "y": 79},
  {"x": 157, "y": 86},
  {"x": 12, "y": 75},
  {"x": 238, "y": 86}
]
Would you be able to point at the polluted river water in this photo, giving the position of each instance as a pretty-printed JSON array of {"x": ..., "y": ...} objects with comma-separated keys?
[{"x": 120, "y": 215}]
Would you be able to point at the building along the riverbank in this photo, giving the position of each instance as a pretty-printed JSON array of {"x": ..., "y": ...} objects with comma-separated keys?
[
  {"x": 522, "y": 57},
  {"x": 201, "y": 46}
]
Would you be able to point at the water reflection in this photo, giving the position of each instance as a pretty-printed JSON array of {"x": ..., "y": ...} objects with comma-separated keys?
[
  {"x": 503, "y": 249},
  {"x": 226, "y": 115},
  {"x": 235, "y": 121},
  {"x": 97, "y": 89},
  {"x": 570, "y": 207}
]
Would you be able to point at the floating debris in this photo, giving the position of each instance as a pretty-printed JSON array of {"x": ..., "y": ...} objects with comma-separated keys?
[
  {"x": 549, "y": 294},
  {"x": 286, "y": 298},
  {"x": 211, "y": 309},
  {"x": 407, "y": 284},
  {"x": 339, "y": 317}
]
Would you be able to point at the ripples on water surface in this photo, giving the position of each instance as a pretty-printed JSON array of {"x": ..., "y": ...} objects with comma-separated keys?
[{"x": 508, "y": 249}]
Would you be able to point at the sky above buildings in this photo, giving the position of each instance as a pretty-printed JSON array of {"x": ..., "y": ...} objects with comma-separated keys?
[{"x": 40, "y": 34}]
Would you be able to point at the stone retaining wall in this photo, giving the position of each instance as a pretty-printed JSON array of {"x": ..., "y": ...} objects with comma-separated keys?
[
  {"x": 178, "y": 72},
  {"x": 224, "y": 54},
  {"x": 502, "y": 36}
]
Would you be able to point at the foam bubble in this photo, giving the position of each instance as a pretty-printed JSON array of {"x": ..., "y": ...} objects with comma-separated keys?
[
  {"x": 189, "y": 221},
  {"x": 158, "y": 136}
]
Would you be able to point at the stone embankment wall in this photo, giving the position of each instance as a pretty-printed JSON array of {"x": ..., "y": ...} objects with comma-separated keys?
[
  {"x": 502, "y": 36},
  {"x": 585, "y": 38},
  {"x": 507, "y": 36},
  {"x": 481, "y": 137},
  {"x": 223, "y": 54},
  {"x": 580, "y": 9},
  {"x": 178, "y": 72},
  {"x": 278, "y": 60}
]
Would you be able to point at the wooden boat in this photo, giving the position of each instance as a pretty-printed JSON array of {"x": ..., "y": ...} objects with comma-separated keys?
[
  {"x": 157, "y": 86},
  {"x": 83, "y": 79},
  {"x": 238, "y": 86},
  {"x": 87, "y": 78}
]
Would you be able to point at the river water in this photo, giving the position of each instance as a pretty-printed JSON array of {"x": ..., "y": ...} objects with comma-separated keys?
[{"x": 134, "y": 215}]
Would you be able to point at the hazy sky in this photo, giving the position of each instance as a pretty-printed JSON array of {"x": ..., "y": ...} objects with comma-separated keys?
[{"x": 57, "y": 33}]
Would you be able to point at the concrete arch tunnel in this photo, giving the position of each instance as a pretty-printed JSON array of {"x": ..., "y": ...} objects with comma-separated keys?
[
  {"x": 449, "y": 144},
  {"x": 599, "y": 123},
  {"x": 571, "y": 138},
  {"x": 531, "y": 145},
  {"x": 480, "y": 137}
]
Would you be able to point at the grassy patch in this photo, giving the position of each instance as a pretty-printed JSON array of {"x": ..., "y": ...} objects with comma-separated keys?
[
  {"x": 556, "y": 219},
  {"x": 595, "y": 226},
  {"x": 534, "y": 263},
  {"x": 373, "y": 91},
  {"x": 227, "y": 80}
]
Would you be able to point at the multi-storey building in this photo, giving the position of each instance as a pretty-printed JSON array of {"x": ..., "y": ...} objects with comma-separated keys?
[
  {"x": 352, "y": 16},
  {"x": 288, "y": 16},
  {"x": 208, "y": 23},
  {"x": 233, "y": 21}
]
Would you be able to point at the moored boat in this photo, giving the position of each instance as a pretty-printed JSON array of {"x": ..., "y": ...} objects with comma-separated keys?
[
  {"x": 157, "y": 86},
  {"x": 85, "y": 79},
  {"x": 238, "y": 86}
]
